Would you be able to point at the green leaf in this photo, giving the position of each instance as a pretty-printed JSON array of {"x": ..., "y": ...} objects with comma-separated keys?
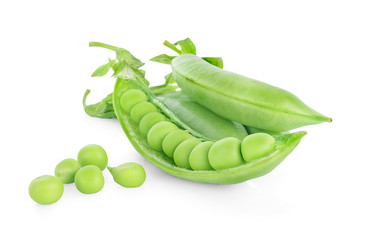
[
  {"x": 163, "y": 58},
  {"x": 124, "y": 55},
  {"x": 104, "y": 69},
  {"x": 187, "y": 46},
  {"x": 216, "y": 61},
  {"x": 169, "y": 79},
  {"x": 102, "y": 109}
]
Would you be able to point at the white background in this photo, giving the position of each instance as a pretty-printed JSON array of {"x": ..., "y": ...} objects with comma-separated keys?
[{"x": 320, "y": 50}]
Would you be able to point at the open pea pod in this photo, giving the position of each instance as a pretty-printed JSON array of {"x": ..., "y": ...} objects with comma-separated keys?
[{"x": 284, "y": 145}]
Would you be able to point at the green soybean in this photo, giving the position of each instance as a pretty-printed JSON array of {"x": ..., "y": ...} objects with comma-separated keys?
[
  {"x": 225, "y": 153},
  {"x": 172, "y": 140},
  {"x": 128, "y": 174},
  {"x": 93, "y": 154},
  {"x": 66, "y": 170},
  {"x": 141, "y": 109},
  {"x": 257, "y": 145},
  {"x": 158, "y": 132},
  {"x": 149, "y": 120},
  {"x": 130, "y": 98},
  {"x": 198, "y": 158},
  {"x": 89, "y": 179},
  {"x": 46, "y": 189},
  {"x": 182, "y": 152}
]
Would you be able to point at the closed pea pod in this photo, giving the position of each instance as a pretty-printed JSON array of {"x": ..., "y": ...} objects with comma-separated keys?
[
  {"x": 225, "y": 153},
  {"x": 241, "y": 99},
  {"x": 158, "y": 132},
  {"x": 182, "y": 152},
  {"x": 141, "y": 109},
  {"x": 149, "y": 120},
  {"x": 198, "y": 158},
  {"x": 257, "y": 145},
  {"x": 131, "y": 98},
  {"x": 172, "y": 140}
]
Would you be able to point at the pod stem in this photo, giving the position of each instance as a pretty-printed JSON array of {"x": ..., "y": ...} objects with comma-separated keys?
[
  {"x": 103, "y": 45},
  {"x": 110, "y": 169}
]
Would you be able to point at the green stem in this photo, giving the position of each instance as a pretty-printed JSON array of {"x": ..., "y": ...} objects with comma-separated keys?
[
  {"x": 173, "y": 47},
  {"x": 103, "y": 45}
]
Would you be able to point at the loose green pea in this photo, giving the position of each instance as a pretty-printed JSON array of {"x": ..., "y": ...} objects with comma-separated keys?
[
  {"x": 225, "y": 153},
  {"x": 93, "y": 154},
  {"x": 130, "y": 98},
  {"x": 141, "y": 109},
  {"x": 46, "y": 189},
  {"x": 257, "y": 145},
  {"x": 198, "y": 158},
  {"x": 172, "y": 140},
  {"x": 66, "y": 170},
  {"x": 182, "y": 152},
  {"x": 158, "y": 132},
  {"x": 128, "y": 175},
  {"x": 149, "y": 120},
  {"x": 89, "y": 179}
]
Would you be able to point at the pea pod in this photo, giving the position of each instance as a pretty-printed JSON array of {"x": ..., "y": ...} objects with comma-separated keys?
[
  {"x": 283, "y": 146},
  {"x": 241, "y": 99},
  {"x": 200, "y": 118},
  {"x": 192, "y": 155}
]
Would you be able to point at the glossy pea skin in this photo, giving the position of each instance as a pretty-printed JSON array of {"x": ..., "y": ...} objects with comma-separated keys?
[
  {"x": 182, "y": 152},
  {"x": 257, "y": 145},
  {"x": 149, "y": 120},
  {"x": 89, "y": 179},
  {"x": 93, "y": 154},
  {"x": 225, "y": 153},
  {"x": 172, "y": 140},
  {"x": 141, "y": 109},
  {"x": 66, "y": 170},
  {"x": 158, "y": 132},
  {"x": 46, "y": 189},
  {"x": 198, "y": 158},
  {"x": 130, "y": 98},
  {"x": 128, "y": 174}
]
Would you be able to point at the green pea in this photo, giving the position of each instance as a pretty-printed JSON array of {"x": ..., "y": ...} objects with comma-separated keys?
[
  {"x": 141, "y": 109},
  {"x": 46, "y": 189},
  {"x": 182, "y": 152},
  {"x": 225, "y": 153},
  {"x": 149, "y": 120},
  {"x": 128, "y": 175},
  {"x": 93, "y": 154},
  {"x": 158, "y": 132},
  {"x": 89, "y": 179},
  {"x": 257, "y": 145},
  {"x": 130, "y": 98},
  {"x": 198, "y": 158},
  {"x": 172, "y": 140},
  {"x": 66, "y": 170}
]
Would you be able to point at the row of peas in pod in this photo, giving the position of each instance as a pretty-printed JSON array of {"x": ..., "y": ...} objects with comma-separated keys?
[
  {"x": 186, "y": 150},
  {"x": 86, "y": 173}
]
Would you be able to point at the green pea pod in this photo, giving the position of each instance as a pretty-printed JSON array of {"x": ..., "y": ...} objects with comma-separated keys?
[
  {"x": 200, "y": 118},
  {"x": 259, "y": 167},
  {"x": 241, "y": 99}
]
